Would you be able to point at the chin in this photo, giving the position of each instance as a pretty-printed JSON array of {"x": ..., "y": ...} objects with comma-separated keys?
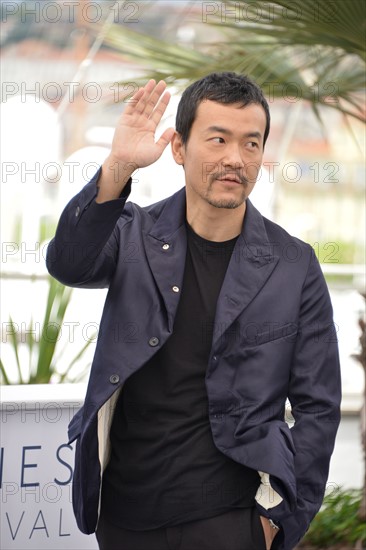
[{"x": 230, "y": 202}]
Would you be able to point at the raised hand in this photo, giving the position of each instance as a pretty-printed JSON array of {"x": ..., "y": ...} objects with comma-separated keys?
[
  {"x": 134, "y": 139},
  {"x": 134, "y": 144}
]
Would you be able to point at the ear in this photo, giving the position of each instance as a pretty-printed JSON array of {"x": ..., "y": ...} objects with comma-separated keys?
[{"x": 178, "y": 149}]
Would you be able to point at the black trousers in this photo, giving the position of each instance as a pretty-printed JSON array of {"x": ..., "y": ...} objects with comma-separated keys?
[{"x": 238, "y": 529}]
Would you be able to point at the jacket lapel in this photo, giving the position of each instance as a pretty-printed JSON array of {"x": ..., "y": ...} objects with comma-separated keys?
[
  {"x": 251, "y": 264},
  {"x": 166, "y": 247}
]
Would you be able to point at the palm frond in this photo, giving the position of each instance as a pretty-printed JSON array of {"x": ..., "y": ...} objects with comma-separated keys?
[
  {"x": 330, "y": 23},
  {"x": 57, "y": 302},
  {"x": 14, "y": 342},
  {"x": 4, "y": 373},
  {"x": 317, "y": 47},
  {"x": 78, "y": 356}
]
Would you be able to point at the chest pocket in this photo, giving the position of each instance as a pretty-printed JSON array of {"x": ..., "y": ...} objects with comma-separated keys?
[{"x": 256, "y": 336}]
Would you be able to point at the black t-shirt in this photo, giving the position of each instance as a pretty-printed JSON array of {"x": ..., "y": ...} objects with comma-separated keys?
[{"x": 165, "y": 468}]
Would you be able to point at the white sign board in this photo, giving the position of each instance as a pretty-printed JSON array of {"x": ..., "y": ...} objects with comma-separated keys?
[{"x": 36, "y": 469}]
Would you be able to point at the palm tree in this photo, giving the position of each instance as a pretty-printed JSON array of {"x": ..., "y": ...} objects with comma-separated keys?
[{"x": 311, "y": 50}]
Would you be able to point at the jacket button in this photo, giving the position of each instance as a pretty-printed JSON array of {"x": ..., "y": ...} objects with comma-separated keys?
[
  {"x": 165, "y": 246},
  {"x": 175, "y": 288},
  {"x": 114, "y": 379},
  {"x": 154, "y": 341}
]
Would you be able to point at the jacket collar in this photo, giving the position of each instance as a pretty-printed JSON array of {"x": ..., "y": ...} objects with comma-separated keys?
[
  {"x": 251, "y": 263},
  {"x": 171, "y": 217},
  {"x": 166, "y": 247}
]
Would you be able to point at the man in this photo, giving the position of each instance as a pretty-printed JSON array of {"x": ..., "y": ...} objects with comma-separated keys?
[{"x": 214, "y": 317}]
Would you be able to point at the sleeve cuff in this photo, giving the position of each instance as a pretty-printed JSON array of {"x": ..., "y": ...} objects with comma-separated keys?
[{"x": 266, "y": 496}]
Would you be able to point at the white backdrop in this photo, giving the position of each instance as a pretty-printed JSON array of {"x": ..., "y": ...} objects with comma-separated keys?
[{"x": 36, "y": 467}]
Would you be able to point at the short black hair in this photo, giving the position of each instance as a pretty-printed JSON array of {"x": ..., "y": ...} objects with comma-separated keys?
[{"x": 226, "y": 88}]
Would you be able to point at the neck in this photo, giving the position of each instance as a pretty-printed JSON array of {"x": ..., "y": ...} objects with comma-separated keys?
[{"x": 215, "y": 224}]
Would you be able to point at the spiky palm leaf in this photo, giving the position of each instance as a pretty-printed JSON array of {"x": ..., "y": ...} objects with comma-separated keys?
[
  {"x": 310, "y": 50},
  {"x": 44, "y": 352}
]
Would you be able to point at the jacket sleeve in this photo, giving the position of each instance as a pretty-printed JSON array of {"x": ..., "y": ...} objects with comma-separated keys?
[
  {"x": 314, "y": 394},
  {"x": 84, "y": 250}
]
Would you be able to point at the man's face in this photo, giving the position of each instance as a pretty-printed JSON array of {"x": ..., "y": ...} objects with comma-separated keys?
[{"x": 223, "y": 154}]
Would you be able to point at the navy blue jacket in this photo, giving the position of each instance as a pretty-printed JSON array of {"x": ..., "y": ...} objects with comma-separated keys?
[{"x": 273, "y": 340}]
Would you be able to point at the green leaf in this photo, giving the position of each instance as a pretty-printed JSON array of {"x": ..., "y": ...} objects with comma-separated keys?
[
  {"x": 298, "y": 42},
  {"x": 3, "y": 373},
  {"x": 44, "y": 352},
  {"x": 57, "y": 302},
  {"x": 30, "y": 342},
  {"x": 338, "y": 521},
  {"x": 75, "y": 359},
  {"x": 14, "y": 342}
]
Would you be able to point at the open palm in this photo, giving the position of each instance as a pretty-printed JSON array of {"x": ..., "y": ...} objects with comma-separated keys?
[{"x": 134, "y": 138}]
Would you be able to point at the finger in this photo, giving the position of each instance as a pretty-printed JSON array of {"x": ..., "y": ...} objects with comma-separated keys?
[
  {"x": 165, "y": 138},
  {"x": 160, "y": 108},
  {"x": 147, "y": 91},
  {"x": 131, "y": 103},
  {"x": 134, "y": 104},
  {"x": 152, "y": 101},
  {"x": 150, "y": 98}
]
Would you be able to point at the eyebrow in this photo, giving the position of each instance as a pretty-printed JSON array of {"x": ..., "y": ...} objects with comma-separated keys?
[{"x": 225, "y": 131}]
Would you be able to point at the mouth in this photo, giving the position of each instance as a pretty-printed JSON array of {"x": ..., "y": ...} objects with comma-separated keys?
[{"x": 230, "y": 179}]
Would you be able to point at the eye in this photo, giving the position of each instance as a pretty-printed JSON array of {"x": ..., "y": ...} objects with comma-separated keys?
[
  {"x": 253, "y": 144},
  {"x": 218, "y": 139}
]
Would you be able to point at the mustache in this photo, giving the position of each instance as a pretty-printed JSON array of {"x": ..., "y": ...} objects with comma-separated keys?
[{"x": 225, "y": 173}]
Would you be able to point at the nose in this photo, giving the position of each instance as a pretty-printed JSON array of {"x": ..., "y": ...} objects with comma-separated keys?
[{"x": 232, "y": 158}]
